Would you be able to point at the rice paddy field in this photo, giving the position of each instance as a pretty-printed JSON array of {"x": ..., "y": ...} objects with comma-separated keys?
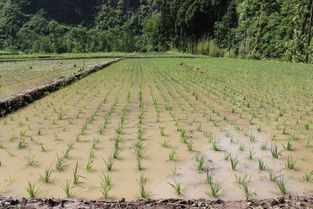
[
  {"x": 162, "y": 128},
  {"x": 17, "y": 76}
]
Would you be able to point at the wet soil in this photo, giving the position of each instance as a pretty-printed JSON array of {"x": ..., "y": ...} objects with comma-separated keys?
[{"x": 282, "y": 202}]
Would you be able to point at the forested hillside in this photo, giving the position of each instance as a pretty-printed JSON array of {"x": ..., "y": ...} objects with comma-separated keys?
[{"x": 245, "y": 28}]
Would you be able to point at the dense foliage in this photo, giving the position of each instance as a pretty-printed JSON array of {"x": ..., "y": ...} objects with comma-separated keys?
[{"x": 245, "y": 28}]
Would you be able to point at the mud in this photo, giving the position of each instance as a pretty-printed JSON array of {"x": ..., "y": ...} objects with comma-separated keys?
[
  {"x": 15, "y": 102},
  {"x": 282, "y": 202}
]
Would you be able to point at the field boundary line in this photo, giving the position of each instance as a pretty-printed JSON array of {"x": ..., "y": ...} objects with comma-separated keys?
[{"x": 15, "y": 102}]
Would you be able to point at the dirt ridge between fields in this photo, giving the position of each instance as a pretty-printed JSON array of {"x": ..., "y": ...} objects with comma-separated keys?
[
  {"x": 17, "y": 101},
  {"x": 295, "y": 202}
]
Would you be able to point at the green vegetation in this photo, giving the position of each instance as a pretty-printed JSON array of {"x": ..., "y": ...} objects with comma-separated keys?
[{"x": 239, "y": 28}]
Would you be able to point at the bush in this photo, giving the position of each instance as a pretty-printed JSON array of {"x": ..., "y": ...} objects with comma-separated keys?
[
  {"x": 209, "y": 47},
  {"x": 230, "y": 54}
]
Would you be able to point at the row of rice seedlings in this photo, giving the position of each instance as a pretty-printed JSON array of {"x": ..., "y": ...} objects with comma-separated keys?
[
  {"x": 183, "y": 136},
  {"x": 117, "y": 148},
  {"x": 138, "y": 144}
]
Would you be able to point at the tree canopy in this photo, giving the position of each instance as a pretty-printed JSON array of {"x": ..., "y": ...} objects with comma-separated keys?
[{"x": 245, "y": 28}]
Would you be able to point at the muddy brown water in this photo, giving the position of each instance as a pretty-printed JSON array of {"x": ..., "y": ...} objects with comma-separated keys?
[{"x": 58, "y": 119}]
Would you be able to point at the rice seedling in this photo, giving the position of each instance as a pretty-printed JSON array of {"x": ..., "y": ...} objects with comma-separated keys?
[
  {"x": 92, "y": 155},
  {"x": 275, "y": 152},
  {"x": 22, "y": 133},
  {"x": 288, "y": 146},
  {"x": 144, "y": 192},
  {"x": 31, "y": 190},
  {"x": 42, "y": 148},
  {"x": 273, "y": 175},
  {"x": 242, "y": 148},
  {"x": 109, "y": 162},
  {"x": 67, "y": 188},
  {"x": 30, "y": 160},
  {"x": 280, "y": 182},
  {"x": 290, "y": 164},
  {"x": 274, "y": 137},
  {"x": 251, "y": 154},
  {"x": 66, "y": 153},
  {"x": 215, "y": 189},
  {"x": 226, "y": 156},
  {"x": 95, "y": 143},
  {"x": 234, "y": 163},
  {"x": 117, "y": 151},
  {"x": 39, "y": 133},
  {"x": 243, "y": 182},
  {"x": 172, "y": 155},
  {"x": 59, "y": 164},
  {"x": 262, "y": 166},
  {"x": 308, "y": 176},
  {"x": 21, "y": 143},
  {"x": 107, "y": 180},
  {"x": 199, "y": 127},
  {"x": 105, "y": 187},
  {"x": 216, "y": 147},
  {"x": 76, "y": 174},
  {"x": 12, "y": 138},
  {"x": 263, "y": 146},
  {"x": 200, "y": 160},
  {"x": 162, "y": 130},
  {"x": 166, "y": 143},
  {"x": 252, "y": 138},
  {"x": 118, "y": 131},
  {"x": 139, "y": 163},
  {"x": 209, "y": 176},
  {"x": 47, "y": 175},
  {"x": 89, "y": 165},
  {"x": 307, "y": 125},
  {"x": 189, "y": 145},
  {"x": 175, "y": 171},
  {"x": 178, "y": 187},
  {"x": 10, "y": 153}
]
